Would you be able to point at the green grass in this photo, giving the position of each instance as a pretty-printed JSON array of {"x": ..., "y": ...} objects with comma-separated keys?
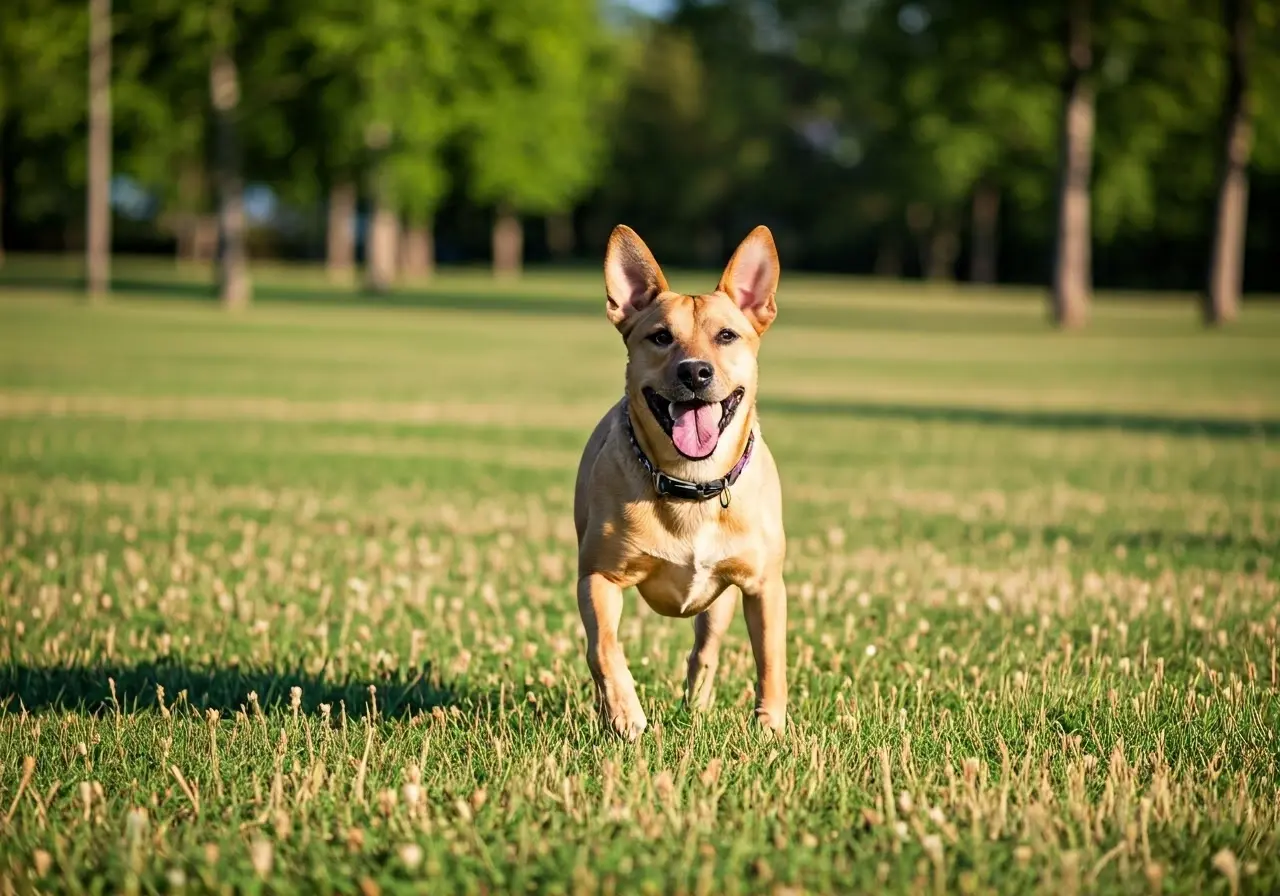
[{"x": 1035, "y": 602}]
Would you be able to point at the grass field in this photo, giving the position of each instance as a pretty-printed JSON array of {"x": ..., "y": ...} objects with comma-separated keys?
[{"x": 287, "y": 601}]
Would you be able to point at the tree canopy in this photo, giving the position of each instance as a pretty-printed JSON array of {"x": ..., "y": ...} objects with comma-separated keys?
[{"x": 890, "y": 136}]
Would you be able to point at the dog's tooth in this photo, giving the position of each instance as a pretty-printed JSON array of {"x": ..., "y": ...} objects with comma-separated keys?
[{"x": 671, "y": 410}]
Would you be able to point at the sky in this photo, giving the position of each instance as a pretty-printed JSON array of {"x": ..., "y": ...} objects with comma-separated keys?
[{"x": 650, "y": 7}]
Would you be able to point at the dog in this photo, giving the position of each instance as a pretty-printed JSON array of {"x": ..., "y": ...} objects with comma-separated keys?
[{"x": 677, "y": 493}]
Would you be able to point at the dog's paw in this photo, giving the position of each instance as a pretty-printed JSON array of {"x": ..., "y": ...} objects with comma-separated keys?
[
  {"x": 700, "y": 696},
  {"x": 702, "y": 701},
  {"x": 772, "y": 720},
  {"x": 629, "y": 725},
  {"x": 620, "y": 710}
]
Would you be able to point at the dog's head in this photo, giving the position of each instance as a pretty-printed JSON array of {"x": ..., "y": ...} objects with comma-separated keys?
[{"x": 691, "y": 359}]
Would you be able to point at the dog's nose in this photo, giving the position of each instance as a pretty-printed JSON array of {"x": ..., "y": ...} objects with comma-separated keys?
[{"x": 695, "y": 374}]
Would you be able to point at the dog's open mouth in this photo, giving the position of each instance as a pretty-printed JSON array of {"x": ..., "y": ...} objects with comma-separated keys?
[{"x": 694, "y": 426}]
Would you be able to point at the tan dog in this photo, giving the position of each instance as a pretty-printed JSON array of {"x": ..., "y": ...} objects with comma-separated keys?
[{"x": 677, "y": 493}]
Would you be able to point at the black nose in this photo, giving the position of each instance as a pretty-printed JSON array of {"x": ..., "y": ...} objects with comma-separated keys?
[{"x": 695, "y": 374}]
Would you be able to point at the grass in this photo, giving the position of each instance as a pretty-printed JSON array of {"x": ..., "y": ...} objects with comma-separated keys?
[{"x": 286, "y": 601}]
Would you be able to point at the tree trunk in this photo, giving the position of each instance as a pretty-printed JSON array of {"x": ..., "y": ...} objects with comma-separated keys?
[
  {"x": 919, "y": 221},
  {"x": 1, "y": 200},
  {"x": 1226, "y": 271},
  {"x": 205, "y": 233},
  {"x": 380, "y": 254},
  {"x": 417, "y": 252},
  {"x": 888, "y": 261},
  {"x": 560, "y": 236},
  {"x": 184, "y": 232},
  {"x": 234, "y": 288},
  {"x": 98, "y": 202},
  {"x": 508, "y": 243},
  {"x": 986, "y": 239},
  {"x": 944, "y": 246},
  {"x": 1072, "y": 273},
  {"x": 185, "y": 219},
  {"x": 340, "y": 248}
]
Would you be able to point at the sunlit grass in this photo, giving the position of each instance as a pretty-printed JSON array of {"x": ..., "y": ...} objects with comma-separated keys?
[{"x": 286, "y": 603}]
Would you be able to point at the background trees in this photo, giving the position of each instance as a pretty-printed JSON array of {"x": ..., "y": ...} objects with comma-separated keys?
[
  {"x": 393, "y": 76},
  {"x": 98, "y": 213},
  {"x": 1130, "y": 144},
  {"x": 535, "y": 114},
  {"x": 1223, "y": 295}
]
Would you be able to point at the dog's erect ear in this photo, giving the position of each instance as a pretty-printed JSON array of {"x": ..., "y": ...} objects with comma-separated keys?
[
  {"x": 632, "y": 279},
  {"x": 751, "y": 278}
]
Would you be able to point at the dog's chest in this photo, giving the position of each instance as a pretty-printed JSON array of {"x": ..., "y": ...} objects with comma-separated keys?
[{"x": 690, "y": 572}]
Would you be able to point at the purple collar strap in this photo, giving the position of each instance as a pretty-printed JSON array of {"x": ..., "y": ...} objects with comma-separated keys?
[{"x": 684, "y": 489}]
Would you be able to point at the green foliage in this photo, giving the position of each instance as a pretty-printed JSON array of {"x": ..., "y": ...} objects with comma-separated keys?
[
  {"x": 161, "y": 92},
  {"x": 1159, "y": 75},
  {"x": 393, "y": 76},
  {"x": 1265, "y": 63},
  {"x": 700, "y": 132},
  {"x": 44, "y": 43},
  {"x": 915, "y": 103},
  {"x": 543, "y": 75},
  {"x": 940, "y": 95}
]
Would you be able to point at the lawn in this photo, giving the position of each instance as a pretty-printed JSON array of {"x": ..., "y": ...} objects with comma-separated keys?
[{"x": 286, "y": 600}]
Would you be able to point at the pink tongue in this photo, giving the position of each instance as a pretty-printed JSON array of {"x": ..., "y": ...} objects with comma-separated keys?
[{"x": 697, "y": 428}]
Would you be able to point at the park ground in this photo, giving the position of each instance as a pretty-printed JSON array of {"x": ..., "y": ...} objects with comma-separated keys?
[{"x": 286, "y": 599}]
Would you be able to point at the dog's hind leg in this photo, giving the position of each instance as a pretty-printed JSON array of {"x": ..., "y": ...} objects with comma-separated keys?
[
  {"x": 600, "y": 604},
  {"x": 709, "y": 627}
]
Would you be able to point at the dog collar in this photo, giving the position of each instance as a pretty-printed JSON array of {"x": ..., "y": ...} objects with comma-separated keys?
[{"x": 685, "y": 489}]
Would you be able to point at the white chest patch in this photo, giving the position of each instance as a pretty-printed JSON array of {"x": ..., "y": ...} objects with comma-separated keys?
[{"x": 685, "y": 582}]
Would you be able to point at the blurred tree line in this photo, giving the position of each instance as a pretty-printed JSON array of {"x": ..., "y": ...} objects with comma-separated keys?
[{"x": 1130, "y": 144}]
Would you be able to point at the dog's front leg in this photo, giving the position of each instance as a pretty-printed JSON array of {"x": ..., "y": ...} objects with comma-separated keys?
[
  {"x": 708, "y": 630},
  {"x": 600, "y": 603},
  {"x": 766, "y": 614}
]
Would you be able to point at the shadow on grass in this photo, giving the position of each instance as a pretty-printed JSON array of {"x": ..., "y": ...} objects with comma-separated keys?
[
  {"x": 88, "y": 689},
  {"x": 1218, "y": 427},
  {"x": 1225, "y": 545},
  {"x": 1160, "y": 541}
]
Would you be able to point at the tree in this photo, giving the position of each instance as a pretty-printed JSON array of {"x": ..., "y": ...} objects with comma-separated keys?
[
  {"x": 985, "y": 224},
  {"x": 234, "y": 287},
  {"x": 43, "y": 95},
  {"x": 160, "y": 104},
  {"x": 1072, "y": 276},
  {"x": 1226, "y": 273},
  {"x": 936, "y": 112},
  {"x": 535, "y": 146},
  {"x": 680, "y": 148},
  {"x": 181, "y": 100},
  {"x": 327, "y": 155},
  {"x": 976, "y": 99},
  {"x": 340, "y": 241},
  {"x": 98, "y": 211},
  {"x": 221, "y": 24},
  {"x": 384, "y": 223},
  {"x": 393, "y": 77}
]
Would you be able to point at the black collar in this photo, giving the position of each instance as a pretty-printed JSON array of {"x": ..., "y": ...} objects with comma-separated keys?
[{"x": 684, "y": 489}]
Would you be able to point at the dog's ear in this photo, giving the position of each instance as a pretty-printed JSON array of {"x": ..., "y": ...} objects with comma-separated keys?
[
  {"x": 632, "y": 279},
  {"x": 751, "y": 278}
]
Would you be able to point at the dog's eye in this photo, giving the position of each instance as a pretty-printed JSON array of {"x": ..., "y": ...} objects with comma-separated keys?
[
  {"x": 661, "y": 338},
  {"x": 724, "y": 337}
]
